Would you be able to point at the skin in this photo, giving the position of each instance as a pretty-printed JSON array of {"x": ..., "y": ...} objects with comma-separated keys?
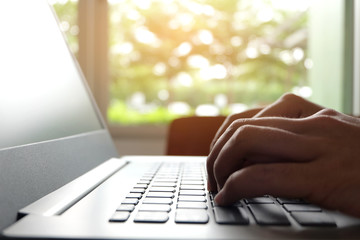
[{"x": 292, "y": 148}]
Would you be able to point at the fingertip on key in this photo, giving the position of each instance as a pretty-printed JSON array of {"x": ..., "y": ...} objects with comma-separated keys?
[{"x": 219, "y": 199}]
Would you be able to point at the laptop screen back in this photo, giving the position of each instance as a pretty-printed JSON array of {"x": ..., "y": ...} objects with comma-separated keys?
[{"x": 42, "y": 96}]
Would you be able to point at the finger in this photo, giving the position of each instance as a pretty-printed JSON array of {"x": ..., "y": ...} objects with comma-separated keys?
[
  {"x": 249, "y": 141},
  {"x": 288, "y": 180},
  {"x": 290, "y": 106},
  {"x": 336, "y": 115},
  {"x": 294, "y": 125},
  {"x": 246, "y": 114}
]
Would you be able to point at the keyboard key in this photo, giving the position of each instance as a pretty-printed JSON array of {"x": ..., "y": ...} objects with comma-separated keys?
[
  {"x": 230, "y": 215},
  {"x": 191, "y": 216},
  {"x": 141, "y": 186},
  {"x": 120, "y": 217},
  {"x": 301, "y": 208},
  {"x": 192, "y": 187},
  {"x": 162, "y": 189},
  {"x": 138, "y": 190},
  {"x": 316, "y": 219},
  {"x": 187, "y": 182},
  {"x": 155, "y": 208},
  {"x": 192, "y": 205},
  {"x": 163, "y": 184},
  {"x": 134, "y": 195},
  {"x": 169, "y": 180},
  {"x": 192, "y": 178},
  {"x": 268, "y": 214},
  {"x": 133, "y": 201},
  {"x": 151, "y": 217},
  {"x": 146, "y": 178},
  {"x": 192, "y": 198},
  {"x": 192, "y": 192},
  {"x": 160, "y": 194},
  {"x": 126, "y": 207},
  {"x": 291, "y": 201},
  {"x": 259, "y": 200},
  {"x": 147, "y": 182},
  {"x": 158, "y": 201}
]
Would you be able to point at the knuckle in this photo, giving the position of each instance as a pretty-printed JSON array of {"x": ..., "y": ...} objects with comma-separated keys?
[
  {"x": 237, "y": 125},
  {"x": 231, "y": 118},
  {"x": 325, "y": 120},
  {"x": 289, "y": 97},
  {"x": 327, "y": 112},
  {"x": 243, "y": 132}
]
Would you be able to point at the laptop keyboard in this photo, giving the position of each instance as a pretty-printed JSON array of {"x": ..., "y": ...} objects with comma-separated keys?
[{"x": 180, "y": 187}]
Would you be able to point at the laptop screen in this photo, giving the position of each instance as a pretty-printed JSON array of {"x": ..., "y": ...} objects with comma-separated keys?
[{"x": 42, "y": 96}]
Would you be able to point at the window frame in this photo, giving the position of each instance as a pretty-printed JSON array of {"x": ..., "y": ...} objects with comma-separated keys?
[
  {"x": 93, "y": 58},
  {"x": 356, "y": 88}
]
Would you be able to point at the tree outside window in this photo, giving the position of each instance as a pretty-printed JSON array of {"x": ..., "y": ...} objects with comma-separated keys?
[{"x": 170, "y": 58}]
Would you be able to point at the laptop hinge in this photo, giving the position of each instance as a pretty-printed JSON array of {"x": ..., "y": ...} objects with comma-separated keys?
[{"x": 63, "y": 198}]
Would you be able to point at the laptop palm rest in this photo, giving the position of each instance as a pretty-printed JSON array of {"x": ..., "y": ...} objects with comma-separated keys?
[{"x": 63, "y": 198}]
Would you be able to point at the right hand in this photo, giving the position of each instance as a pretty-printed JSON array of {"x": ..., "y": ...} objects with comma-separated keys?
[{"x": 288, "y": 106}]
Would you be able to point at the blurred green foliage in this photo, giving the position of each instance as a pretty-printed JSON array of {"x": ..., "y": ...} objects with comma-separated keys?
[{"x": 192, "y": 51}]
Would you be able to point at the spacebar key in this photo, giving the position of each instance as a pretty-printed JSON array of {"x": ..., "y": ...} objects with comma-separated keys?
[
  {"x": 268, "y": 214},
  {"x": 230, "y": 215}
]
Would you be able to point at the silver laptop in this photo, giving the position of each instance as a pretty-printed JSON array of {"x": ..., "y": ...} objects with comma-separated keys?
[{"x": 61, "y": 177}]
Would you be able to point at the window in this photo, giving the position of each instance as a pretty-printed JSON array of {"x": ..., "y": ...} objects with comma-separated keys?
[
  {"x": 174, "y": 58},
  {"x": 184, "y": 57}
]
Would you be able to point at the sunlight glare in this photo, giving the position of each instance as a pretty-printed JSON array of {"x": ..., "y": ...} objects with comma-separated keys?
[
  {"x": 186, "y": 19},
  {"x": 236, "y": 41},
  {"x": 184, "y": 79},
  {"x": 183, "y": 49},
  {"x": 122, "y": 48},
  {"x": 251, "y": 52},
  {"x": 159, "y": 69},
  {"x": 205, "y": 37},
  {"x": 143, "y": 35},
  {"x": 298, "y": 54},
  {"x": 163, "y": 95},
  {"x": 198, "y": 61},
  {"x": 265, "y": 15},
  {"x": 238, "y": 107},
  {"x": 218, "y": 71},
  {"x": 181, "y": 108},
  {"x": 304, "y": 91},
  {"x": 142, "y": 4},
  {"x": 133, "y": 15},
  {"x": 302, "y": 5},
  {"x": 265, "y": 49},
  {"x": 221, "y": 100},
  {"x": 206, "y": 110}
]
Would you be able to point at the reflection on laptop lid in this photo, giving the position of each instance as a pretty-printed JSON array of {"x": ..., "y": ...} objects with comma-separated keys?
[
  {"x": 51, "y": 131},
  {"x": 58, "y": 171}
]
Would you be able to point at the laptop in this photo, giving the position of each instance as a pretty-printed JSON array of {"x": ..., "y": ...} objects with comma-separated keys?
[{"x": 62, "y": 178}]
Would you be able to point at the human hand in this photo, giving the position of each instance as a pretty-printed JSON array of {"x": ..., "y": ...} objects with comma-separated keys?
[
  {"x": 289, "y": 106},
  {"x": 308, "y": 152}
]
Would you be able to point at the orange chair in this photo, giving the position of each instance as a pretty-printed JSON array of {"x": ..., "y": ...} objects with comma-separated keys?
[{"x": 192, "y": 136}]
